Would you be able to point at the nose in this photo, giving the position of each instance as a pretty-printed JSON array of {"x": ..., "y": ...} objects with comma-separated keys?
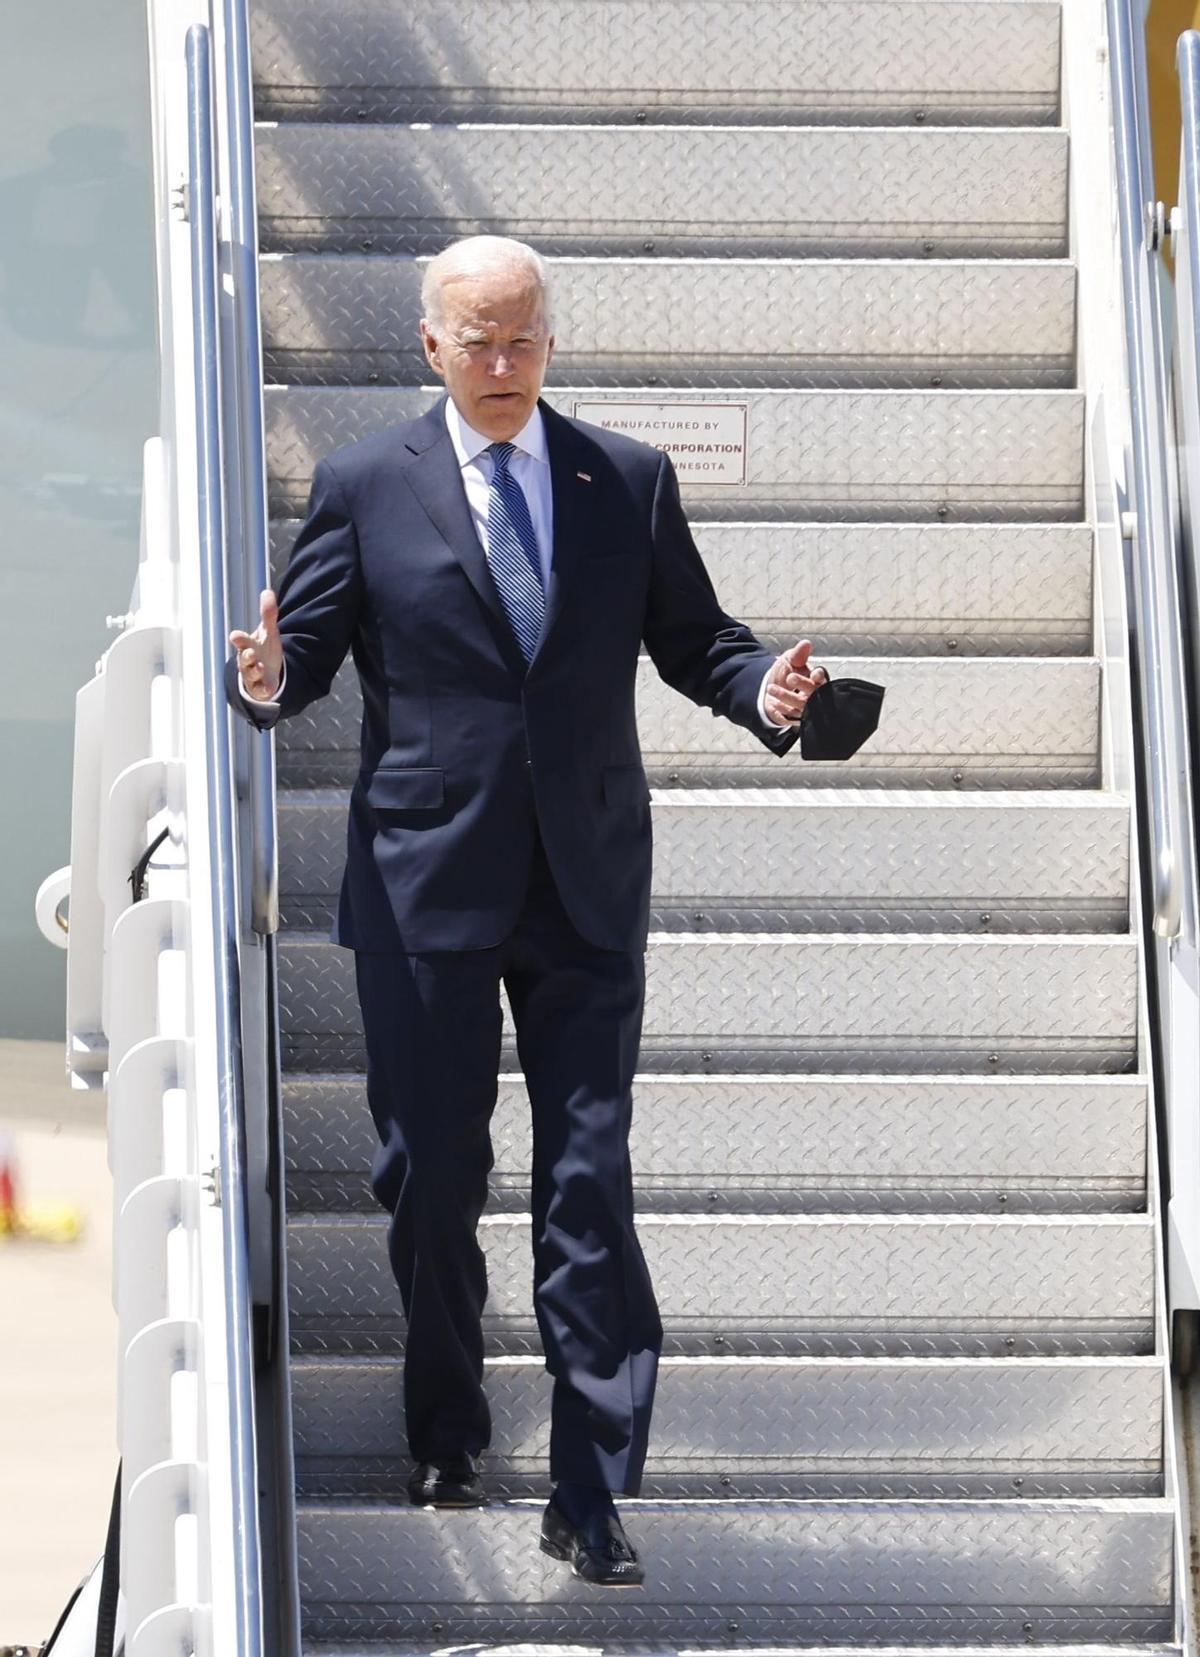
[{"x": 500, "y": 364}]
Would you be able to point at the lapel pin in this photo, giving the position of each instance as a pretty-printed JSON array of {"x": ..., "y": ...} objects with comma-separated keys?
[{"x": 586, "y": 476}]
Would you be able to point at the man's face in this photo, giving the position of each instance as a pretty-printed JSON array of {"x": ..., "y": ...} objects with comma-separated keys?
[{"x": 491, "y": 347}]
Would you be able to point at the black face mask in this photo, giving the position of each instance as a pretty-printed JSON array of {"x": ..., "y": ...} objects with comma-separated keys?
[{"x": 838, "y": 718}]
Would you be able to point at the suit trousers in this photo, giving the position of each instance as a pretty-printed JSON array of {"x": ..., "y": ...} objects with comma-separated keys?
[{"x": 432, "y": 1023}]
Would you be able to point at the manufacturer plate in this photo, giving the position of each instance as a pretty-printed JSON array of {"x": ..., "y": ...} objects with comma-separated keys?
[{"x": 706, "y": 441}]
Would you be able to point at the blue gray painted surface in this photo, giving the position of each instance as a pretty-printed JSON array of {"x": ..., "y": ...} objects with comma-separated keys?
[{"x": 77, "y": 401}]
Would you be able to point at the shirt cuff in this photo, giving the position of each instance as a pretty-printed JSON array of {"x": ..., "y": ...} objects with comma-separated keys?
[
  {"x": 762, "y": 699},
  {"x": 258, "y": 701}
]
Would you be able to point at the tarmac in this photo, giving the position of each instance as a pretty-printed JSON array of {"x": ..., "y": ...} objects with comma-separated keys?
[{"x": 58, "y": 1346}]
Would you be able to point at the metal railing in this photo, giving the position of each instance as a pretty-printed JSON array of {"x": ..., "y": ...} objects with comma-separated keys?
[
  {"x": 250, "y": 550},
  {"x": 223, "y": 886},
  {"x": 1159, "y": 661},
  {"x": 1185, "y": 245},
  {"x": 1158, "y": 327},
  {"x": 1181, "y": 974}
]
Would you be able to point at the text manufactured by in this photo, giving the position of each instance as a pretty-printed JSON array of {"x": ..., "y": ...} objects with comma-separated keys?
[{"x": 706, "y": 441}]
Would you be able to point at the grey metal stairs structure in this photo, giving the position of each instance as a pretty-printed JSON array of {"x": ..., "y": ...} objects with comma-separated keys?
[{"x": 893, "y": 1129}]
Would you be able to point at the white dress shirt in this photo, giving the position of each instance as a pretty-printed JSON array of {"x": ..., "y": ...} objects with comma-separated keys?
[{"x": 530, "y": 466}]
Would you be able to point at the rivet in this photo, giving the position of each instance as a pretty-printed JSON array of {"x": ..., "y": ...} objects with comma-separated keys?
[
  {"x": 951, "y": 644},
  {"x": 993, "y": 1058},
  {"x": 985, "y": 919},
  {"x": 647, "y": 247}
]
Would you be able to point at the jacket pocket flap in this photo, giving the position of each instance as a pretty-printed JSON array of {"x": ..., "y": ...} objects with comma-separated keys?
[
  {"x": 625, "y": 785},
  {"x": 403, "y": 787}
]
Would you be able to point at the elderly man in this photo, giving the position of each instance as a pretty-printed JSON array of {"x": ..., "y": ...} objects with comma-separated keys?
[{"x": 494, "y": 568}]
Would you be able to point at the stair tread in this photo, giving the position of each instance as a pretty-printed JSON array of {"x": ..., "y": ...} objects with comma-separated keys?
[
  {"x": 1071, "y": 1566},
  {"x": 668, "y": 61},
  {"x": 337, "y": 318},
  {"x": 751, "y": 189}
]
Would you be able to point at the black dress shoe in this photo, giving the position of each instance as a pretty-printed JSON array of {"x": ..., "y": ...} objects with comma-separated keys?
[
  {"x": 598, "y": 1550},
  {"x": 450, "y": 1482}
]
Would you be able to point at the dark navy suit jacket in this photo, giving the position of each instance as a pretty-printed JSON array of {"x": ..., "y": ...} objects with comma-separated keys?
[{"x": 462, "y": 744}]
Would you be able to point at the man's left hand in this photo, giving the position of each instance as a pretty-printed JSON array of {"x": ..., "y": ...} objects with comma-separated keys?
[{"x": 791, "y": 682}]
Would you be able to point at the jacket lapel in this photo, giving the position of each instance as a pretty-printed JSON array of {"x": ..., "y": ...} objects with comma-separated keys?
[
  {"x": 436, "y": 481},
  {"x": 567, "y": 458}
]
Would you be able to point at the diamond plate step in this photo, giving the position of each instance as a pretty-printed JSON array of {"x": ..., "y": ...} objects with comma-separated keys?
[
  {"x": 783, "y": 1572},
  {"x": 341, "y": 319},
  {"x": 892, "y": 589},
  {"x": 971, "y": 191},
  {"x": 816, "y": 1286},
  {"x": 666, "y": 61},
  {"x": 634, "y": 1648},
  {"x": 733, "y": 1428},
  {"x": 939, "y": 728},
  {"x": 809, "y": 454},
  {"x": 792, "y": 1144},
  {"x": 880, "y": 1002},
  {"x": 841, "y": 860}
]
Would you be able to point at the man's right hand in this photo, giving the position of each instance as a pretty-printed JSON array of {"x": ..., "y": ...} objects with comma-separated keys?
[{"x": 260, "y": 654}]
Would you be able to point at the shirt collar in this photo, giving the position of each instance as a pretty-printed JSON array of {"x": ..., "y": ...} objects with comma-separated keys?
[{"x": 470, "y": 444}]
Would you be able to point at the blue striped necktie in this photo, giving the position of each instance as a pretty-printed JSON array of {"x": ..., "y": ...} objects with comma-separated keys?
[{"x": 513, "y": 551}]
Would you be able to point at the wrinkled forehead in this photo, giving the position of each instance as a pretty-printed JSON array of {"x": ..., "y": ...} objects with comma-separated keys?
[{"x": 504, "y": 294}]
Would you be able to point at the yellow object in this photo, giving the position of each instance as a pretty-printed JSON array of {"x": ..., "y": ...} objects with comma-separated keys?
[{"x": 51, "y": 1222}]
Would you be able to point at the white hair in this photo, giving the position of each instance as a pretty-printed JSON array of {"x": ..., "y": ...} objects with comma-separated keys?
[{"x": 472, "y": 253}]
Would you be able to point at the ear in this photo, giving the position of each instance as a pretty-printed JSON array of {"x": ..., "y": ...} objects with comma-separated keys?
[
  {"x": 549, "y": 350},
  {"x": 432, "y": 349}
]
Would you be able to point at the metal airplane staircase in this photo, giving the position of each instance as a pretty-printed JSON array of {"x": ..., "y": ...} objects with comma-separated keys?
[
  {"x": 895, "y": 1179},
  {"x": 917, "y": 1024}
]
